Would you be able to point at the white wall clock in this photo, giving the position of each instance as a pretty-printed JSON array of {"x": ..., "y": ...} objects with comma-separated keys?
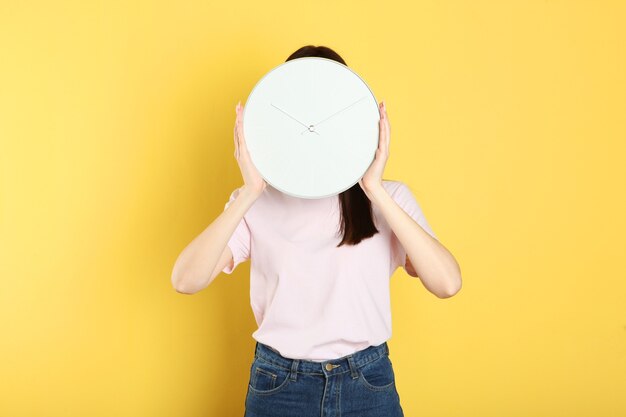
[{"x": 311, "y": 126}]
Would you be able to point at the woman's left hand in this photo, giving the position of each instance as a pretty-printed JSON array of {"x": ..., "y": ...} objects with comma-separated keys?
[{"x": 373, "y": 177}]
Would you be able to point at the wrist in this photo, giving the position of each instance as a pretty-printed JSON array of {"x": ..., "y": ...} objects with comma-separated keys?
[
  {"x": 376, "y": 192},
  {"x": 250, "y": 193}
]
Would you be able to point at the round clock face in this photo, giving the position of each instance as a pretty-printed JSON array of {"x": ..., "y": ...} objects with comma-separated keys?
[{"x": 311, "y": 127}]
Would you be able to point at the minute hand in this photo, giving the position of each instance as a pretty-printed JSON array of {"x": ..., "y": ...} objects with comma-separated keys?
[
  {"x": 334, "y": 114},
  {"x": 289, "y": 115}
]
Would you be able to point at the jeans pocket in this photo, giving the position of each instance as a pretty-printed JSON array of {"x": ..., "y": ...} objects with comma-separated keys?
[
  {"x": 267, "y": 378},
  {"x": 378, "y": 375}
]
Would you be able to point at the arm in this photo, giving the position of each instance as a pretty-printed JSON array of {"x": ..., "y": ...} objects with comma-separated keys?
[
  {"x": 429, "y": 259},
  {"x": 203, "y": 259}
]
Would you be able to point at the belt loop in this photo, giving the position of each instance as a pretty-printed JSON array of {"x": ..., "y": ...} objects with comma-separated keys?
[
  {"x": 294, "y": 369},
  {"x": 386, "y": 348},
  {"x": 353, "y": 369}
]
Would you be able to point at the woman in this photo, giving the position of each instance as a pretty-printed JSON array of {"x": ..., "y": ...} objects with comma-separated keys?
[{"x": 319, "y": 282}]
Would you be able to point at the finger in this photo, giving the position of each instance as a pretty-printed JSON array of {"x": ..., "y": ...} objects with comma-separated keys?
[
  {"x": 242, "y": 140},
  {"x": 383, "y": 117},
  {"x": 387, "y": 118},
  {"x": 383, "y": 142},
  {"x": 236, "y": 143},
  {"x": 381, "y": 126},
  {"x": 235, "y": 132},
  {"x": 238, "y": 127},
  {"x": 387, "y": 126}
]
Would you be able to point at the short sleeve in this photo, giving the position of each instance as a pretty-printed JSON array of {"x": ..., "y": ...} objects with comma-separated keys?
[
  {"x": 404, "y": 197},
  {"x": 239, "y": 242}
]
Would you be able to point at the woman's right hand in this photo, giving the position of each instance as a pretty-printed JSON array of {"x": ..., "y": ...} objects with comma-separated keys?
[{"x": 251, "y": 178}]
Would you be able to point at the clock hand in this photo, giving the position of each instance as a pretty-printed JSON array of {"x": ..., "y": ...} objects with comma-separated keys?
[
  {"x": 292, "y": 117},
  {"x": 345, "y": 108}
]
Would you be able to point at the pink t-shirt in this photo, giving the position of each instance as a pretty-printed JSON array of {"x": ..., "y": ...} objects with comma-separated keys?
[{"x": 313, "y": 300}]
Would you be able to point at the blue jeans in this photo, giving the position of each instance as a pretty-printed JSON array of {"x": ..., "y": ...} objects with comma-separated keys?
[{"x": 361, "y": 384}]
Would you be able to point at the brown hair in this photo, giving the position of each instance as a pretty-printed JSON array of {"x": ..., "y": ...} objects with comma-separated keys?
[{"x": 356, "y": 208}]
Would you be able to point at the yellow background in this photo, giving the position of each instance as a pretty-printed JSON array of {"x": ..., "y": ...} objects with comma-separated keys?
[{"x": 116, "y": 117}]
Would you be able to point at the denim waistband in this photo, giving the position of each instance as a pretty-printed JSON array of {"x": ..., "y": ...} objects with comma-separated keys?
[{"x": 333, "y": 366}]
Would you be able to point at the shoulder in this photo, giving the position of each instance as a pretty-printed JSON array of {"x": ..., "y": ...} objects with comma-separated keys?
[
  {"x": 235, "y": 193},
  {"x": 233, "y": 196},
  {"x": 394, "y": 187},
  {"x": 402, "y": 194}
]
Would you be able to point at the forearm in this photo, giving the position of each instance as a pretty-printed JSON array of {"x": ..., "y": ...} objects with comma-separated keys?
[
  {"x": 434, "y": 264},
  {"x": 195, "y": 264}
]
